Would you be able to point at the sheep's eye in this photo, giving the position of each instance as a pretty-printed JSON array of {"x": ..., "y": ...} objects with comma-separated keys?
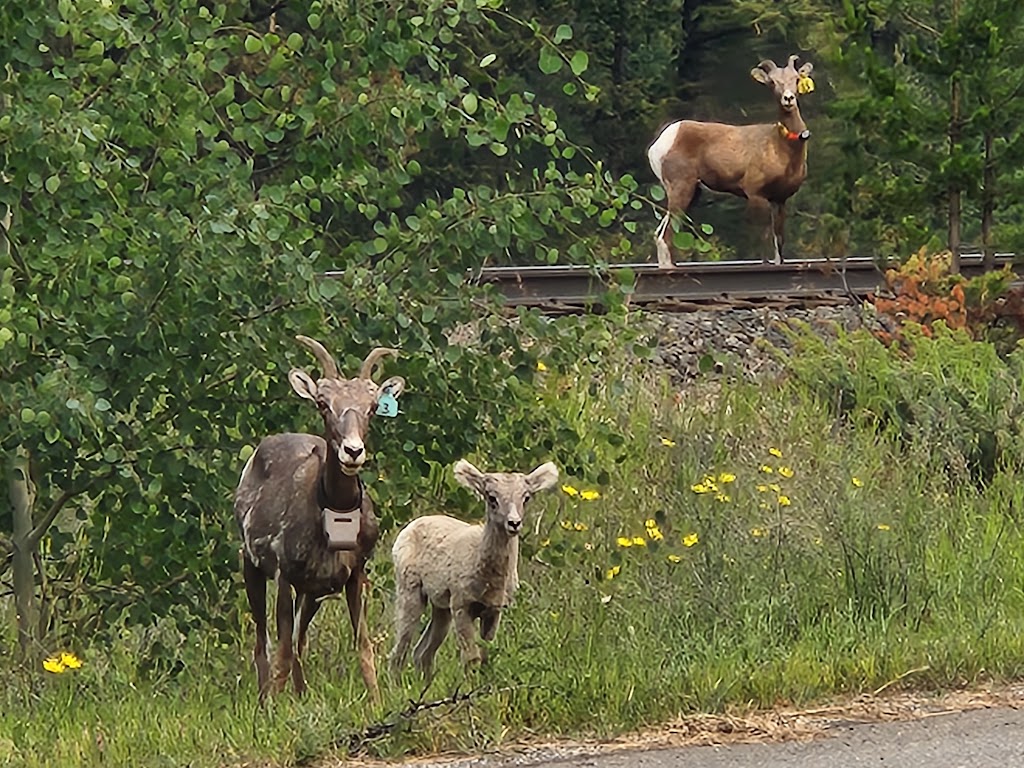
[
  {"x": 526, "y": 498},
  {"x": 492, "y": 499}
]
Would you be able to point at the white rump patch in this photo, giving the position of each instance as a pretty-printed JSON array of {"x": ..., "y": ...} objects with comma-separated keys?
[{"x": 660, "y": 148}]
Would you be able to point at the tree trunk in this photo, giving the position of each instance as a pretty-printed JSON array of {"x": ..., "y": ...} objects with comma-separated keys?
[
  {"x": 955, "y": 130},
  {"x": 620, "y": 45},
  {"x": 988, "y": 202},
  {"x": 685, "y": 54},
  {"x": 21, "y": 495}
]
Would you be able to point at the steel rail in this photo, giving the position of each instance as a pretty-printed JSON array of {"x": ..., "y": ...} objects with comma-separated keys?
[{"x": 723, "y": 282}]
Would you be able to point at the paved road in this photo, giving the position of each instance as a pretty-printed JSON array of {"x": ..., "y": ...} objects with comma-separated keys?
[{"x": 986, "y": 738}]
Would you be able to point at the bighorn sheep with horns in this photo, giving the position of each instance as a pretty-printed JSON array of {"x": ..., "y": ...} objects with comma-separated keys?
[
  {"x": 764, "y": 163},
  {"x": 290, "y": 484}
]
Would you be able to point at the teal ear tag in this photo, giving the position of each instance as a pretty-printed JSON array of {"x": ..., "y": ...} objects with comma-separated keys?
[{"x": 387, "y": 404}]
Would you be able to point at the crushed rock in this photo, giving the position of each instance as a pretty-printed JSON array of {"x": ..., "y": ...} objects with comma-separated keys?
[{"x": 743, "y": 342}]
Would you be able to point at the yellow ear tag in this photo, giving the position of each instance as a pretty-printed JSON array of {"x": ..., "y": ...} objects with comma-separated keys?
[{"x": 804, "y": 85}]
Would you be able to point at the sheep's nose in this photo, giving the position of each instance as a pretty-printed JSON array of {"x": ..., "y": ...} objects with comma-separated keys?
[
  {"x": 515, "y": 525},
  {"x": 354, "y": 450}
]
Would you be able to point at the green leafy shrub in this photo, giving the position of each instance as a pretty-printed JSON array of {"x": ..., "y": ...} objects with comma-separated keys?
[{"x": 952, "y": 402}]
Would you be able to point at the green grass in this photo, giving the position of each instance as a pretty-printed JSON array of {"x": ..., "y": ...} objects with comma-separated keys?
[{"x": 912, "y": 568}]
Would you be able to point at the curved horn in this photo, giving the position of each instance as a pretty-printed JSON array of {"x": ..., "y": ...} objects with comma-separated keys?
[
  {"x": 768, "y": 66},
  {"x": 793, "y": 59},
  {"x": 366, "y": 372},
  {"x": 328, "y": 367}
]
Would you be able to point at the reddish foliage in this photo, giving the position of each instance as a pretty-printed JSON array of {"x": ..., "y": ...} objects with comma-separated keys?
[{"x": 922, "y": 292}]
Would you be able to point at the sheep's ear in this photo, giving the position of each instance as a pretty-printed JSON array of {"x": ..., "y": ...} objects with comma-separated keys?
[
  {"x": 543, "y": 477},
  {"x": 469, "y": 476},
  {"x": 397, "y": 385},
  {"x": 763, "y": 71},
  {"x": 805, "y": 70},
  {"x": 303, "y": 385}
]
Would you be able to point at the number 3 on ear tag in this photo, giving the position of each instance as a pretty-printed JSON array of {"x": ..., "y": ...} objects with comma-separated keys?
[{"x": 387, "y": 404}]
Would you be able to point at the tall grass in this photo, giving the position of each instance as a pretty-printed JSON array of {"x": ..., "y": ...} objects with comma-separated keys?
[{"x": 753, "y": 544}]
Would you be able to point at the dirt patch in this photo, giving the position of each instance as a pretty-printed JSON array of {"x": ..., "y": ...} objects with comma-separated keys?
[{"x": 783, "y": 724}]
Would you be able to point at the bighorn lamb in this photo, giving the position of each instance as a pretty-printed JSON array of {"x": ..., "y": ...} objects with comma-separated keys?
[
  {"x": 764, "y": 163},
  {"x": 287, "y": 487},
  {"x": 465, "y": 571}
]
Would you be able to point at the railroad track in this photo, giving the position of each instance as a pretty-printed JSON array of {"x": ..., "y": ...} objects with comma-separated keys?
[{"x": 699, "y": 285}]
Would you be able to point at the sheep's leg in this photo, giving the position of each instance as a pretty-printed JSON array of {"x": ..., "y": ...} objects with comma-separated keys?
[
  {"x": 778, "y": 229},
  {"x": 680, "y": 183},
  {"x": 285, "y": 626},
  {"x": 256, "y": 591},
  {"x": 430, "y": 641},
  {"x": 489, "y": 620},
  {"x": 465, "y": 634},
  {"x": 305, "y": 609},
  {"x": 759, "y": 212},
  {"x": 661, "y": 243},
  {"x": 354, "y": 588},
  {"x": 409, "y": 605}
]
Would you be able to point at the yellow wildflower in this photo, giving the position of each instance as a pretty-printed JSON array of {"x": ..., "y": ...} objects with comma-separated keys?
[
  {"x": 566, "y": 524},
  {"x": 612, "y": 572},
  {"x": 726, "y": 477},
  {"x": 653, "y": 530},
  {"x": 784, "y": 501},
  {"x": 757, "y": 532},
  {"x": 774, "y": 487},
  {"x": 762, "y": 489},
  {"x": 722, "y": 497},
  {"x": 541, "y": 366},
  {"x": 700, "y": 488},
  {"x": 568, "y": 490},
  {"x": 675, "y": 559},
  {"x": 546, "y": 543},
  {"x": 884, "y": 527},
  {"x": 668, "y": 443},
  {"x": 590, "y": 495},
  {"x": 766, "y": 469},
  {"x": 624, "y": 541},
  {"x": 70, "y": 661},
  {"x": 775, "y": 452},
  {"x": 579, "y": 526},
  {"x": 53, "y": 664},
  {"x": 690, "y": 539},
  {"x": 639, "y": 541},
  {"x": 857, "y": 482},
  {"x": 786, "y": 471}
]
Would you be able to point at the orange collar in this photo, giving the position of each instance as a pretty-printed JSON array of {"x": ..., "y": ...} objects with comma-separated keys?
[{"x": 789, "y": 135}]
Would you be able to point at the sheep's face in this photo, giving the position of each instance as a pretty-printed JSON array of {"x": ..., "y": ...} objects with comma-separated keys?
[
  {"x": 506, "y": 493},
  {"x": 786, "y": 82},
  {"x": 346, "y": 405}
]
